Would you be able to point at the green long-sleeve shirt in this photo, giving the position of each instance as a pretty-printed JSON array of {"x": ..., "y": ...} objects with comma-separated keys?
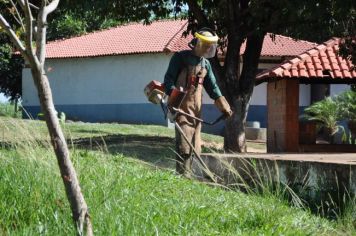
[{"x": 177, "y": 63}]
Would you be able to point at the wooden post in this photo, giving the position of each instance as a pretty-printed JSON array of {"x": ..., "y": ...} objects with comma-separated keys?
[{"x": 282, "y": 116}]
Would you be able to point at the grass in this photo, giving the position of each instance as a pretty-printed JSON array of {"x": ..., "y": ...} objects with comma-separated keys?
[
  {"x": 127, "y": 196},
  {"x": 7, "y": 109}
]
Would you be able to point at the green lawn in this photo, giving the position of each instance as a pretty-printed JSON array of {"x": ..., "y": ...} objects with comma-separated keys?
[{"x": 127, "y": 195}]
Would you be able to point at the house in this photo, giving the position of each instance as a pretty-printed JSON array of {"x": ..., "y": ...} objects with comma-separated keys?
[
  {"x": 319, "y": 65},
  {"x": 100, "y": 76}
]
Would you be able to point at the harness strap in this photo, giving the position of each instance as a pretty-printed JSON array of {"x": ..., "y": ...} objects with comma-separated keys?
[{"x": 196, "y": 79}]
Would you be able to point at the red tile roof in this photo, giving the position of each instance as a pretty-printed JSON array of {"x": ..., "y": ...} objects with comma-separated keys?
[
  {"x": 282, "y": 46},
  {"x": 319, "y": 62},
  {"x": 158, "y": 37},
  {"x": 127, "y": 39}
]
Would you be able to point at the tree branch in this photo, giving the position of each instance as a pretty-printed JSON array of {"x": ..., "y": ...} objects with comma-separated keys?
[
  {"x": 13, "y": 37},
  {"x": 41, "y": 33},
  {"x": 51, "y": 7},
  {"x": 34, "y": 6},
  {"x": 22, "y": 3},
  {"x": 197, "y": 12},
  {"x": 42, "y": 28},
  {"x": 28, "y": 25},
  {"x": 19, "y": 19}
]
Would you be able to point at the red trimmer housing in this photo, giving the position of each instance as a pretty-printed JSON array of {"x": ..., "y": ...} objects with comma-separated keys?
[
  {"x": 154, "y": 91},
  {"x": 176, "y": 97}
]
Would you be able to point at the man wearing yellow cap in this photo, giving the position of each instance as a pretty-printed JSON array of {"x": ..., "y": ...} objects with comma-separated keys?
[{"x": 190, "y": 71}]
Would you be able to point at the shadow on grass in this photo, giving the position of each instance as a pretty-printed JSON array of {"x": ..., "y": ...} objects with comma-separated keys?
[
  {"x": 153, "y": 149},
  {"x": 86, "y": 131}
]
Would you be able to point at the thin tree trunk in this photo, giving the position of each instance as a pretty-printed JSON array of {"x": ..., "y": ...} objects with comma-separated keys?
[
  {"x": 36, "y": 60},
  {"x": 77, "y": 203}
]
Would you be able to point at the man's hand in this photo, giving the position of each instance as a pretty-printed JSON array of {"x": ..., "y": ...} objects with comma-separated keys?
[{"x": 223, "y": 106}]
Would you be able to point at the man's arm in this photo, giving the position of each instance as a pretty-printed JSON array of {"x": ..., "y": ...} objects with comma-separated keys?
[
  {"x": 210, "y": 84},
  {"x": 214, "y": 92},
  {"x": 172, "y": 73}
]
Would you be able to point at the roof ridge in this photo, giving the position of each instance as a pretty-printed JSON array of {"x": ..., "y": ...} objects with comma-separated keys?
[
  {"x": 174, "y": 38},
  {"x": 287, "y": 65},
  {"x": 308, "y": 53},
  {"x": 293, "y": 39}
]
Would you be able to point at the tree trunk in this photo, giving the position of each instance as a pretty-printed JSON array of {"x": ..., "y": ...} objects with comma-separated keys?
[
  {"x": 77, "y": 203},
  {"x": 75, "y": 197},
  {"x": 234, "y": 138},
  {"x": 240, "y": 92}
]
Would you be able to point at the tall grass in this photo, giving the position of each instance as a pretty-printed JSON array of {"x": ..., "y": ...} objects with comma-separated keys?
[
  {"x": 7, "y": 109},
  {"x": 129, "y": 197}
]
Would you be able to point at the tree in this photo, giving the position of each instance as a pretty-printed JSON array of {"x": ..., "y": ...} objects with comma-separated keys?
[
  {"x": 33, "y": 52},
  {"x": 10, "y": 65},
  {"x": 10, "y": 71},
  {"x": 348, "y": 44},
  {"x": 239, "y": 21}
]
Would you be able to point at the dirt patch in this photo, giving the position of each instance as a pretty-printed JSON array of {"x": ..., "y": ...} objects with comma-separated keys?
[{"x": 219, "y": 147}]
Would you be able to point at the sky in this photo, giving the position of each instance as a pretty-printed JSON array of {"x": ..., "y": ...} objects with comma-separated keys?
[{"x": 2, "y": 98}]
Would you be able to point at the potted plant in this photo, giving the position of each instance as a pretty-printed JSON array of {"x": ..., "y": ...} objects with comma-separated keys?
[{"x": 326, "y": 114}]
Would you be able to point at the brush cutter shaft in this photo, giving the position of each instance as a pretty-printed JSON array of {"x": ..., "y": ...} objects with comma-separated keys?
[
  {"x": 179, "y": 111},
  {"x": 205, "y": 168}
]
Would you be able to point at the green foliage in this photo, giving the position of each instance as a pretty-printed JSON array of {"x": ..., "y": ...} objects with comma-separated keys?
[
  {"x": 326, "y": 112},
  {"x": 324, "y": 18},
  {"x": 10, "y": 71},
  {"x": 65, "y": 26},
  {"x": 62, "y": 117},
  {"x": 8, "y": 110},
  {"x": 347, "y": 105},
  {"x": 348, "y": 44},
  {"x": 330, "y": 111}
]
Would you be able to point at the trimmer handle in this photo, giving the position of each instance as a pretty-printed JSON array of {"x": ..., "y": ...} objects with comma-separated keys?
[{"x": 179, "y": 111}]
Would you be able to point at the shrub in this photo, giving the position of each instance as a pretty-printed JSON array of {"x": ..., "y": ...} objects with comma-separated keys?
[{"x": 327, "y": 113}]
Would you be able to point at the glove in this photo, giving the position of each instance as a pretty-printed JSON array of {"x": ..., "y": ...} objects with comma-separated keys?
[{"x": 223, "y": 106}]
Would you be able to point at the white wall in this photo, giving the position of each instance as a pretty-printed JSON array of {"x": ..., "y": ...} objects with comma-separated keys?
[
  {"x": 99, "y": 80},
  {"x": 120, "y": 80},
  {"x": 336, "y": 89},
  {"x": 259, "y": 96},
  {"x": 304, "y": 94}
]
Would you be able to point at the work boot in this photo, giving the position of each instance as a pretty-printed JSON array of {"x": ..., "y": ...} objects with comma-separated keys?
[
  {"x": 188, "y": 171},
  {"x": 184, "y": 165}
]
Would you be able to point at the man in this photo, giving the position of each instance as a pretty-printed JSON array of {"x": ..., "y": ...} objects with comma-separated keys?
[{"x": 188, "y": 72}]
